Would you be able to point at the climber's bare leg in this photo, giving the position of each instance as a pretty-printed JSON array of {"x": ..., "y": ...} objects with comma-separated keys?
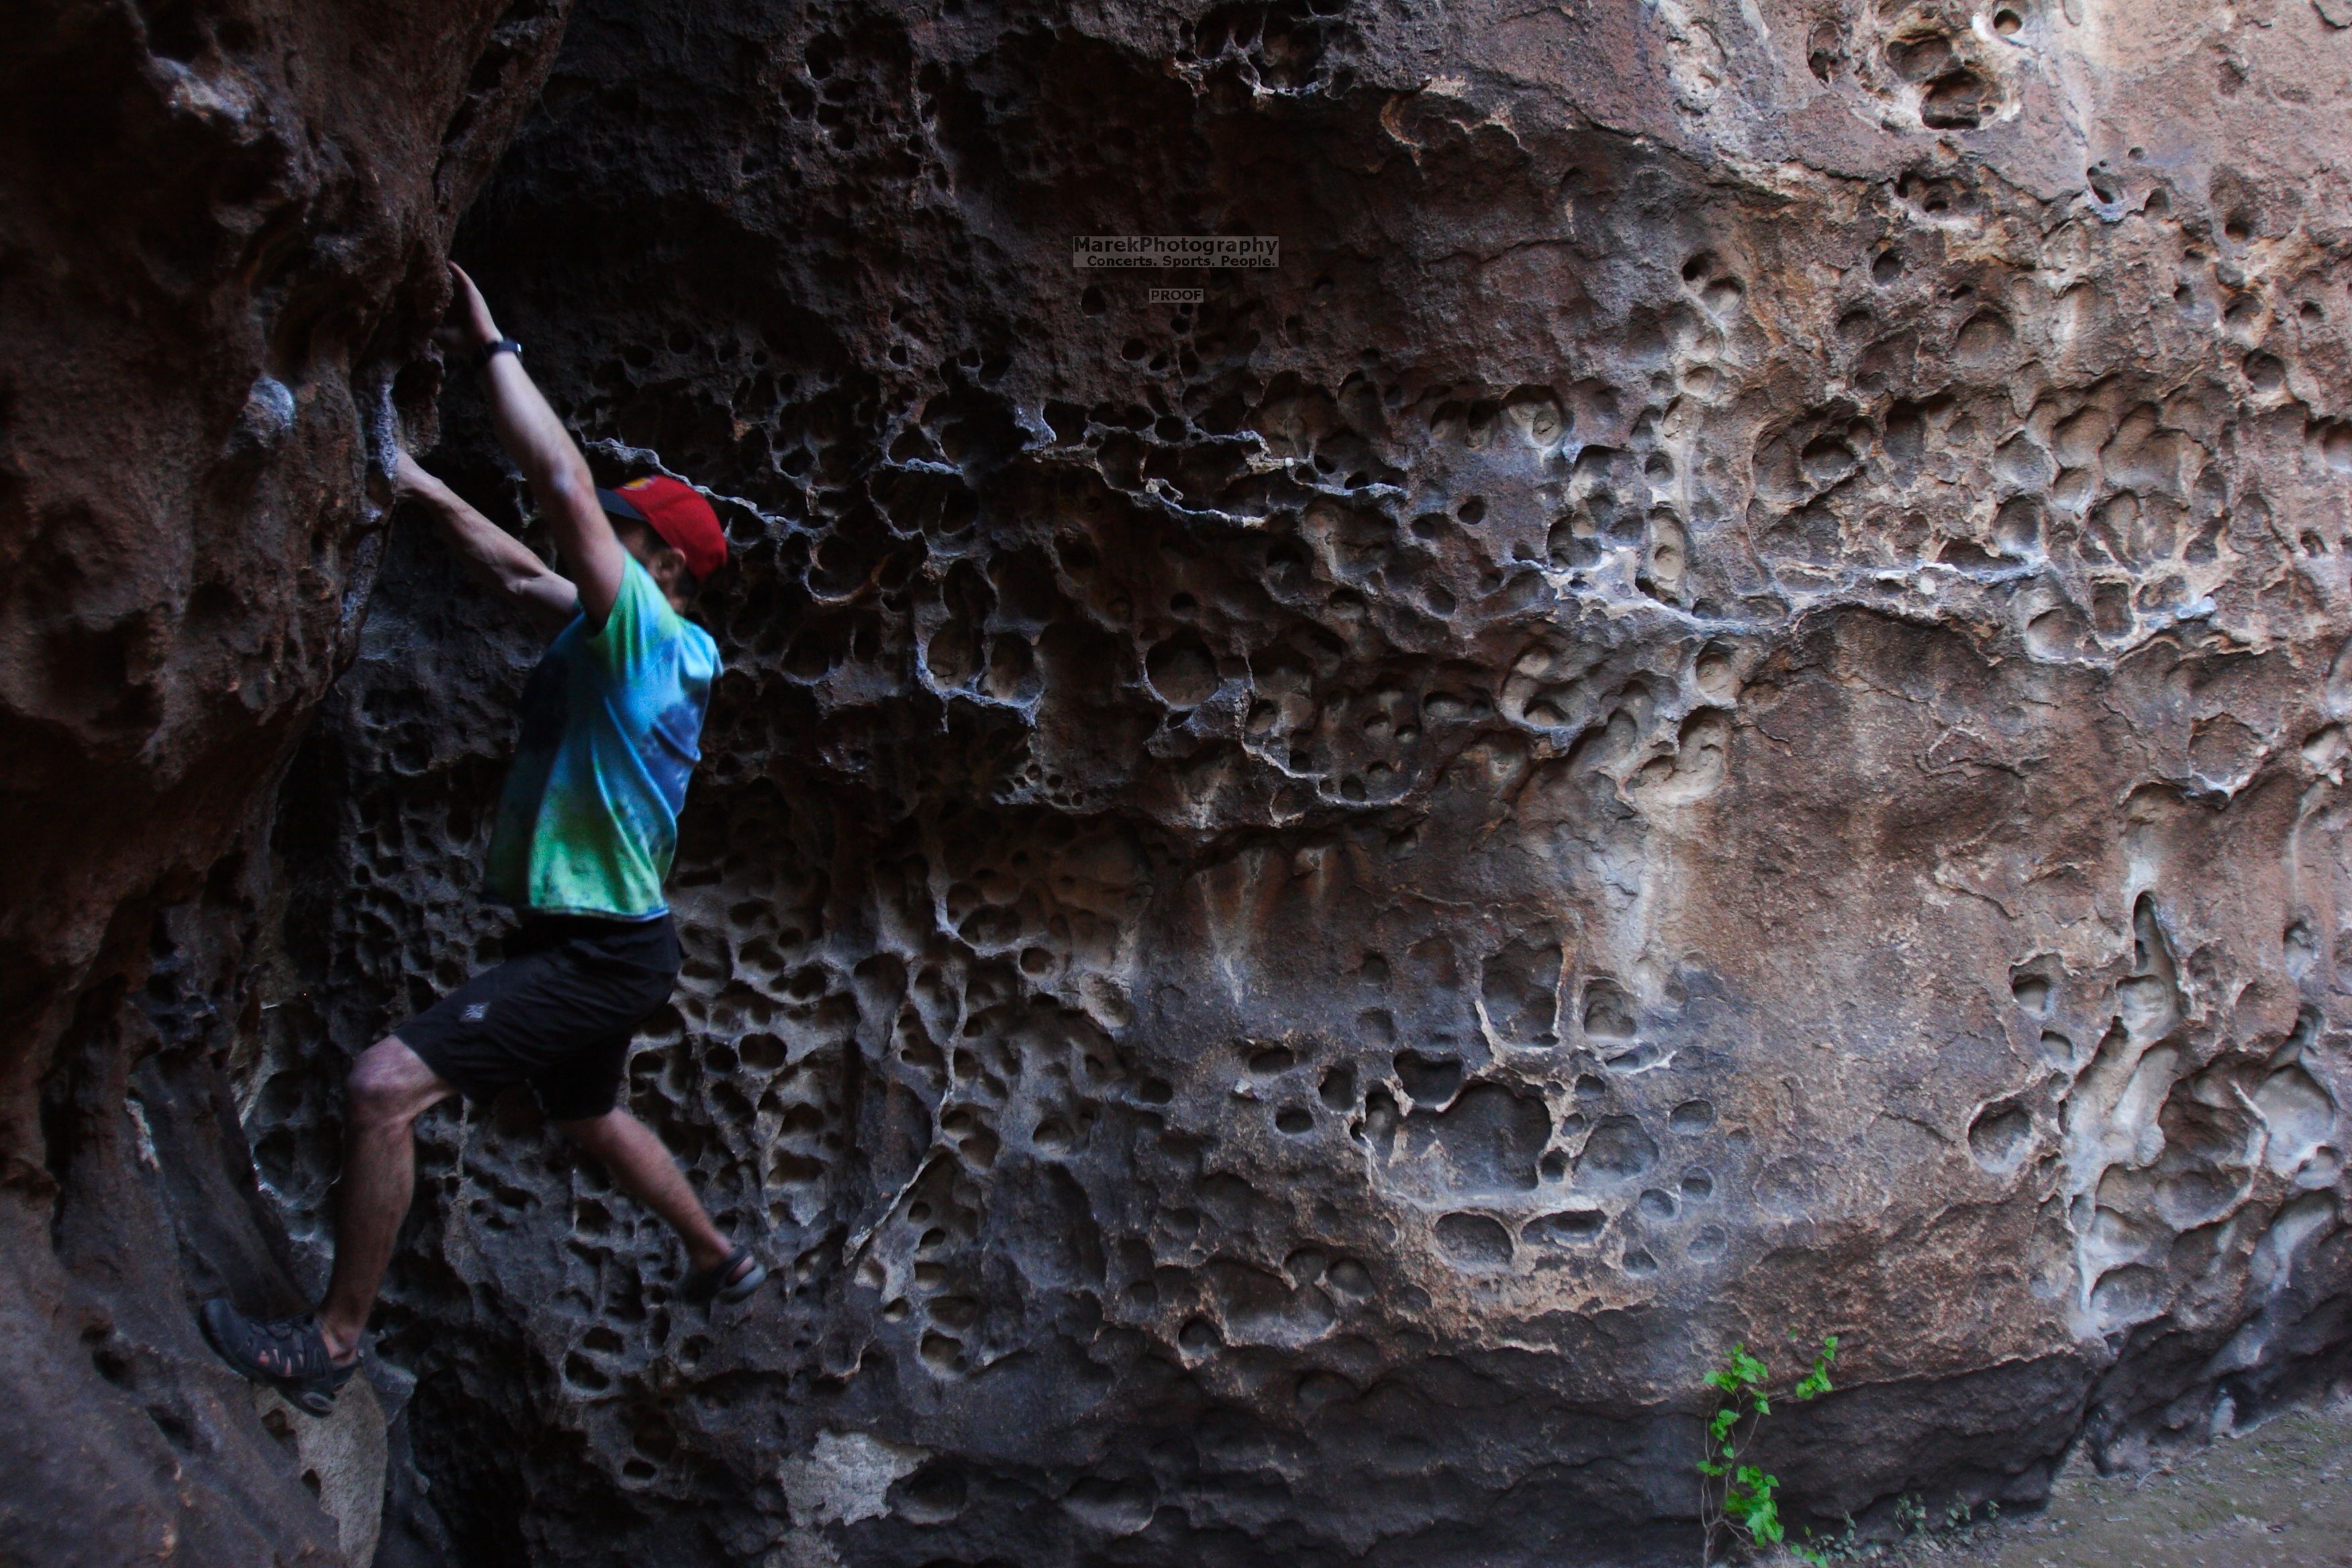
[
  {"x": 389, "y": 1087},
  {"x": 646, "y": 1170}
]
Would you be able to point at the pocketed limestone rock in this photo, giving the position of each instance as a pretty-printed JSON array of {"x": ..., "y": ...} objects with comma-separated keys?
[
  {"x": 1716, "y": 713},
  {"x": 341, "y": 1457}
]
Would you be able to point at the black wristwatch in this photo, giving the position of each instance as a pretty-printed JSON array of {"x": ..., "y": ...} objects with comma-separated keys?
[{"x": 484, "y": 354}]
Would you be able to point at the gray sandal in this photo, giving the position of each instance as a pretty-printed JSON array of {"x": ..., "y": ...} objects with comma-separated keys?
[
  {"x": 284, "y": 1353},
  {"x": 731, "y": 1279}
]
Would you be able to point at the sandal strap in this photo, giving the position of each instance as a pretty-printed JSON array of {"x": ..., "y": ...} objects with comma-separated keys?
[
  {"x": 289, "y": 1348},
  {"x": 303, "y": 1345},
  {"x": 703, "y": 1284}
]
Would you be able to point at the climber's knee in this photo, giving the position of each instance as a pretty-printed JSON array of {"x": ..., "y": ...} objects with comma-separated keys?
[{"x": 390, "y": 1086}]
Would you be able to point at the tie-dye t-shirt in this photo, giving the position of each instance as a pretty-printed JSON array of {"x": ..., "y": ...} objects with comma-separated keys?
[{"x": 612, "y": 723}]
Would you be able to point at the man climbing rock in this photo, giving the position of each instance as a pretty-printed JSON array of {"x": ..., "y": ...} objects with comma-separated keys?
[{"x": 586, "y": 829}]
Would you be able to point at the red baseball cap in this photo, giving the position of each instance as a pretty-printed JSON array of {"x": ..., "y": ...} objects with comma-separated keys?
[{"x": 673, "y": 509}]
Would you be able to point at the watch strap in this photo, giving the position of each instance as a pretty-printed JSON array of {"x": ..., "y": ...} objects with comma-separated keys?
[{"x": 497, "y": 346}]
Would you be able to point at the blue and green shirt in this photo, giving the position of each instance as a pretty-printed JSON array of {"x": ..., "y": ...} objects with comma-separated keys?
[{"x": 611, "y": 725}]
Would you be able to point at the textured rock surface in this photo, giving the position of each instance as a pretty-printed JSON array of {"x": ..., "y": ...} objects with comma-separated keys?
[
  {"x": 220, "y": 233},
  {"x": 1715, "y": 713}
]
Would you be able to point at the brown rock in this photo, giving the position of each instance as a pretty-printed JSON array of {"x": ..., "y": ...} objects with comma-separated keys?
[
  {"x": 1716, "y": 714},
  {"x": 221, "y": 228}
]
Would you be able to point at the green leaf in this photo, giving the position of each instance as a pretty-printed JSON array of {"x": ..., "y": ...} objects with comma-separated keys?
[
  {"x": 1817, "y": 1381},
  {"x": 1749, "y": 1504}
]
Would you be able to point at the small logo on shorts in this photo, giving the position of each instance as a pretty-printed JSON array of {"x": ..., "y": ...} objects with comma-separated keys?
[{"x": 475, "y": 1011}]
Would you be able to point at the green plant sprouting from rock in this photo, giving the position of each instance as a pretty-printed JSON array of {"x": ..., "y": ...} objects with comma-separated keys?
[{"x": 1738, "y": 1501}]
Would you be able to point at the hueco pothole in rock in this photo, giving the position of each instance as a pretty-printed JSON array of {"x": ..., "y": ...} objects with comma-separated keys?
[{"x": 1718, "y": 713}]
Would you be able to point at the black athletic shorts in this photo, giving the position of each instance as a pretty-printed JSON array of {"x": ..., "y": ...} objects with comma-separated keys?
[{"x": 558, "y": 1015}]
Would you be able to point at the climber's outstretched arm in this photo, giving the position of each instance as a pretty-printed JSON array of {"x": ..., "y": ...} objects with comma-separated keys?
[
  {"x": 540, "y": 445},
  {"x": 497, "y": 556}
]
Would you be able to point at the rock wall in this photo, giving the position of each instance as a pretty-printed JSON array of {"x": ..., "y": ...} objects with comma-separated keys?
[
  {"x": 1716, "y": 714},
  {"x": 221, "y": 227}
]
